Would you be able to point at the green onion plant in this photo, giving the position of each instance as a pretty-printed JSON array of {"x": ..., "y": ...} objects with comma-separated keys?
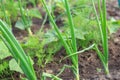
[
  {"x": 25, "y": 20},
  {"x": 103, "y": 30},
  {"x": 69, "y": 50},
  {"x": 16, "y": 51}
]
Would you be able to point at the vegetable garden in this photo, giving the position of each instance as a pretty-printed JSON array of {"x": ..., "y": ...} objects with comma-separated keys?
[{"x": 59, "y": 40}]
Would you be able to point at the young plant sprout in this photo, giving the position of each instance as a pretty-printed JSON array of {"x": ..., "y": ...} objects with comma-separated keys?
[
  {"x": 17, "y": 52},
  {"x": 103, "y": 30},
  {"x": 25, "y": 20}
]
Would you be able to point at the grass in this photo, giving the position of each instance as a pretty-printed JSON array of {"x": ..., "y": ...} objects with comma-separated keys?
[{"x": 104, "y": 36}]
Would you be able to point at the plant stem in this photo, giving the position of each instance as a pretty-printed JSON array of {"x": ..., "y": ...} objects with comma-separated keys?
[
  {"x": 71, "y": 26},
  {"x": 21, "y": 11},
  {"x": 105, "y": 32},
  {"x": 24, "y": 20},
  {"x": 77, "y": 73},
  {"x": 74, "y": 46},
  {"x": 29, "y": 31}
]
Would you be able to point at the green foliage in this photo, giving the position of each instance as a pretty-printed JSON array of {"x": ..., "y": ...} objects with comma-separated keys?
[
  {"x": 33, "y": 2},
  {"x": 50, "y": 36},
  {"x": 35, "y": 48},
  {"x": 58, "y": 6},
  {"x": 34, "y": 12},
  {"x": 113, "y": 26},
  {"x": 11, "y": 9},
  {"x": 14, "y": 66},
  {"x": 4, "y": 69},
  {"x": 52, "y": 49},
  {"x": 26, "y": 18},
  {"x": 86, "y": 30},
  {"x": 42, "y": 47},
  {"x": 4, "y": 52},
  {"x": 20, "y": 24}
]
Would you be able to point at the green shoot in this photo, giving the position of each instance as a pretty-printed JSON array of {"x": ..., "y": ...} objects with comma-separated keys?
[
  {"x": 16, "y": 51},
  {"x": 86, "y": 49},
  {"x": 74, "y": 46},
  {"x": 24, "y": 19},
  {"x": 103, "y": 29},
  {"x": 44, "y": 75},
  {"x": 71, "y": 26},
  {"x": 42, "y": 25}
]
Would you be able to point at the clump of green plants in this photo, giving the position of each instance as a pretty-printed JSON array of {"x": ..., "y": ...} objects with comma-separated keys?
[
  {"x": 45, "y": 51},
  {"x": 34, "y": 47}
]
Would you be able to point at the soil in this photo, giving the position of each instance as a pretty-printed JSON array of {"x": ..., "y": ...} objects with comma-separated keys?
[{"x": 89, "y": 64}]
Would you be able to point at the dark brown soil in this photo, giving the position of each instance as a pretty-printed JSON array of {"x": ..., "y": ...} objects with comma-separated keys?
[{"x": 89, "y": 62}]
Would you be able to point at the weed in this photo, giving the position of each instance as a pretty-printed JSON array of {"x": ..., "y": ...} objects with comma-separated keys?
[{"x": 35, "y": 48}]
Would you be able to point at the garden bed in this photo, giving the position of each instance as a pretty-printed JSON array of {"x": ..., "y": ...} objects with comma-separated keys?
[{"x": 90, "y": 66}]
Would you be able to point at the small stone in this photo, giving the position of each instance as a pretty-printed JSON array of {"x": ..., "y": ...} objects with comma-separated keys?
[
  {"x": 116, "y": 40},
  {"x": 49, "y": 71}
]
